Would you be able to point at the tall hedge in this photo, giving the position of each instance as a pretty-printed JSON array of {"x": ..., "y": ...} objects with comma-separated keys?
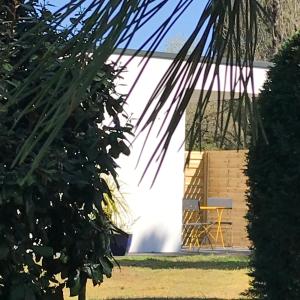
[{"x": 274, "y": 182}]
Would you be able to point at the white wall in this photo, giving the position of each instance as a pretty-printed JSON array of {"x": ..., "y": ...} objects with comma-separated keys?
[{"x": 157, "y": 210}]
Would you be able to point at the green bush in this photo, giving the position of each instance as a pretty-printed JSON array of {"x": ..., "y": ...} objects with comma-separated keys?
[
  {"x": 51, "y": 218},
  {"x": 274, "y": 182}
]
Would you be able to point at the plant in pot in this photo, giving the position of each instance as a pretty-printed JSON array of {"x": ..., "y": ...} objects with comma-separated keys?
[{"x": 117, "y": 210}]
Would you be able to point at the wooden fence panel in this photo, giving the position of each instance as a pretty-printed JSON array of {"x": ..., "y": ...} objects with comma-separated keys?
[
  {"x": 194, "y": 177},
  {"x": 220, "y": 174}
]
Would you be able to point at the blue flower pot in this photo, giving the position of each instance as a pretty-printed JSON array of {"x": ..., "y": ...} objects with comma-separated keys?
[{"x": 120, "y": 243}]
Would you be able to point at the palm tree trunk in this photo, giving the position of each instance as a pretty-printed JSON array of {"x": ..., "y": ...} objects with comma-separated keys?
[
  {"x": 11, "y": 6},
  {"x": 275, "y": 15}
]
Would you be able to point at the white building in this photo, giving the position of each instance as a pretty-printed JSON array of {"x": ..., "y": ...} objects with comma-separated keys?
[{"x": 157, "y": 211}]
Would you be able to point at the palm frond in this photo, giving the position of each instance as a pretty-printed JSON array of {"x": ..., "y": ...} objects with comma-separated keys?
[
  {"x": 96, "y": 31},
  {"x": 86, "y": 44},
  {"x": 217, "y": 40}
]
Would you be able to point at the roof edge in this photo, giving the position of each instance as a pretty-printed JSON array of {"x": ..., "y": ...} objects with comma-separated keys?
[{"x": 166, "y": 55}]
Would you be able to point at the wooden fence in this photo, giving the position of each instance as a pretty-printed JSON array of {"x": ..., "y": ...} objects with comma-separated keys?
[{"x": 220, "y": 174}]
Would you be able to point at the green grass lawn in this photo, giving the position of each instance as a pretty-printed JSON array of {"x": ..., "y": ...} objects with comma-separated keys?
[{"x": 175, "y": 277}]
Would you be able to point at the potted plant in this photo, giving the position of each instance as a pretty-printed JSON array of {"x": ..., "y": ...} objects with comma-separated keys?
[
  {"x": 117, "y": 210},
  {"x": 120, "y": 242}
]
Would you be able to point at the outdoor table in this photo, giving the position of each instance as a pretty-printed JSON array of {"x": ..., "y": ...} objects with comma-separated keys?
[{"x": 219, "y": 210}]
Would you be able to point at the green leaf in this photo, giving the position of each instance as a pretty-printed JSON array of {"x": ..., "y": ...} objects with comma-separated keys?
[
  {"x": 27, "y": 7},
  {"x": 14, "y": 83},
  {"x": 29, "y": 294},
  {"x": 64, "y": 258},
  {"x": 44, "y": 251},
  {"x": 17, "y": 292},
  {"x": 124, "y": 148},
  {"x": 7, "y": 67},
  {"x": 97, "y": 275},
  {"x": 106, "y": 265},
  {"x": 76, "y": 285},
  {"x": 73, "y": 20},
  {"x": 4, "y": 250},
  {"x": 54, "y": 294},
  {"x": 47, "y": 14}
]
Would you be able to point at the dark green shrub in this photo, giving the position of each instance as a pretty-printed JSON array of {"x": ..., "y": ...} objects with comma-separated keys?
[
  {"x": 274, "y": 182},
  {"x": 51, "y": 221}
]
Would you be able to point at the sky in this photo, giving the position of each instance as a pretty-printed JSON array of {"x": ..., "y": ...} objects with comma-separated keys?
[{"x": 180, "y": 30}]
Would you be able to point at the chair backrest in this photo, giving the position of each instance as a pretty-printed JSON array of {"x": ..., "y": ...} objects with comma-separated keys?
[
  {"x": 190, "y": 204},
  {"x": 224, "y": 202}
]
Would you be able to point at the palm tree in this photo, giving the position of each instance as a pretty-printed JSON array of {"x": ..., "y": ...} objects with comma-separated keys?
[{"x": 100, "y": 27}]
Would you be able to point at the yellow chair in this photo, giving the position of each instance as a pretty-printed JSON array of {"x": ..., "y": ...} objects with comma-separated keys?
[{"x": 195, "y": 228}]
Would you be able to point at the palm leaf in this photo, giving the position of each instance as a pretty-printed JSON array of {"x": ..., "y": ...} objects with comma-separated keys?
[
  {"x": 103, "y": 26},
  {"x": 216, "y": 40}
]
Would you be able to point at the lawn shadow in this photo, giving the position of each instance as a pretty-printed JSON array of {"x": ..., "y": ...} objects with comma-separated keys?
[
  {"x": 154, "y": 263},
  {"x": 171, "y": 298}
]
